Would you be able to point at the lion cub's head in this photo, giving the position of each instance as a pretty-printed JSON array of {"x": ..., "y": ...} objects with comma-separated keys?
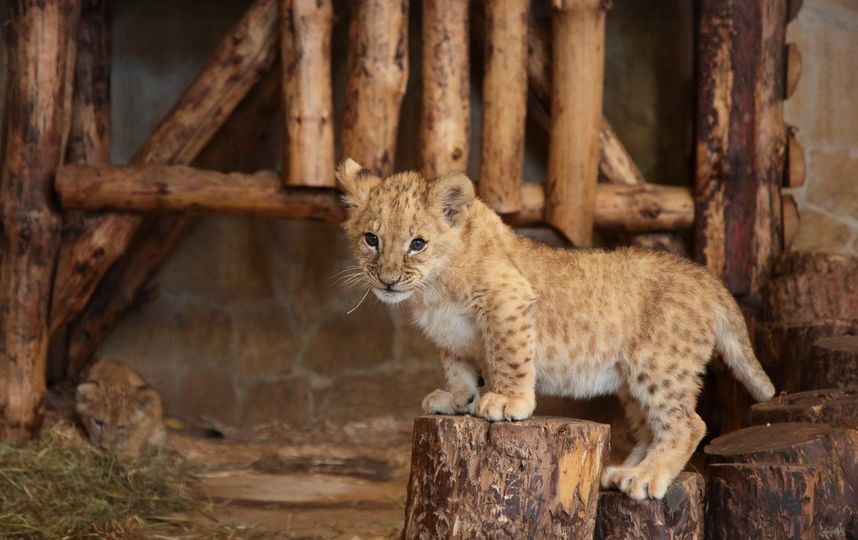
[
  {"x": 403, "y": 229},
  {"x": 118, "y": 411}
]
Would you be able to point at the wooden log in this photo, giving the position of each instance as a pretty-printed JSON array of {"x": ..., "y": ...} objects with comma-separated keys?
[
  {"x": 783, "y": 348},
  {"x": 790, "y": 219},
  {"x": 239, "y": 61},
  {"x": 833, "y": 363},
  {"x": 173, "y": 188},
  {"x": 830, "y": 451},
  {"x": 308, "y": 152},
  {"x": 504, "y": 104},
  {"x": 793, "y": 69},
  {"x": 740, "y": 140},
  {"x": 771, "y": 501},
  {"x": 678, "y": 516},
  {"x": 808, "y": 262},
  {"x": 377, "y": 76},
  {"x": 36, "y": 122},
  {"x": 538, "y": 478},
  {"x": 577, "y": 79},
  {"x": 811, "y": 297},
  {"x": 836, "y": 407},
  {"x": 445, "y": 109},
  {"x": 796, "y": 169}
]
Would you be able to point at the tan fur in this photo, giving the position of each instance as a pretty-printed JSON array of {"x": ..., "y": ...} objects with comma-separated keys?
[
  {"x": 118, "y": 411},
  {"x": 528, "y": 318}
]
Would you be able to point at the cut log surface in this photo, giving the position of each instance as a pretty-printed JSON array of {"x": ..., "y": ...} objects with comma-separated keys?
[
  {"x": 678, "y": 516},
  {"x": 791, "y": 219},
  {"x": 784, "y": 349},
  {"x": 831, "y": 451},
  {"x": 836, "y": 407},
  {"x": 766, "y": 501},
  {"x": 538, "y": 478},
  {"x": 796, "y": 168},
  {"x": 41, "y": 59},
  {"x": 445, "y": 110},
  {"x": 377, "y": 75},
  {"x": 174, "y": 188},
  {"x": 305, "y": 27}
]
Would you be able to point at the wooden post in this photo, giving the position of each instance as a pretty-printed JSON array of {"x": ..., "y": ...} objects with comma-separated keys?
[
  {"x": 813, "y": 295},
  {"x": 770, "y": 501},
  {"x": 504, "y": 104},
  {"x": 445, "y": 110},
  {"x": 836, "y": 407},
  {"x": 175, "y": 188},
  {"x": 308, "y": 154},
  {"x": 37, "y": 116},
  {"x": 740, "y": 139},
  {"x": 377, "y": 76},
  {"x": 828, "y": 450},
  {"x": 240, "y": 60},
  {"x": 678, "y": 516},
  {"x": 833, "y": 363},
  {"x": 538, "y": 478},
  {"x": 578, "y": 65}
]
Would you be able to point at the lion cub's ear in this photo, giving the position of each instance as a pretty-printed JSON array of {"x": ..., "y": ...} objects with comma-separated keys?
[
  {"x": 355, "y": 181},
  {"x": 453, "y": 193},
  {"x": 86, "y": 393}
]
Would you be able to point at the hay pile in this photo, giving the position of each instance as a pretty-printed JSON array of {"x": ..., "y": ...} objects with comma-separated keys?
[{"x": 59, "y": 488}]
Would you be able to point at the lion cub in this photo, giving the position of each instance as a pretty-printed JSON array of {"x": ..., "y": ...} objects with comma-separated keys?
[
  {"x": 119, "y": 412},
  {"x": 524, "y": 318}
]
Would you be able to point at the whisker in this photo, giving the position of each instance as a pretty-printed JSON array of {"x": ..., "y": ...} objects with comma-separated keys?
[{"x": 352, "y": 310}]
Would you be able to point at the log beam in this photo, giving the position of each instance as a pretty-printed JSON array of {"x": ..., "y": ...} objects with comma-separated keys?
[
  {"x": 377, "y": 76},
  {"x": 538, "y": 478},
  {"x": 741, "y": 138},
  {"x": 308, "y": 154},
  {"x": 240, "y": 59},
  {"x": 577, "y": 80},
  {"x": 173, "y": 188},
  {"x": 504, "y": 104},
  {"x": 37, "y": 120},
  {"x": 445, "y": 110}
]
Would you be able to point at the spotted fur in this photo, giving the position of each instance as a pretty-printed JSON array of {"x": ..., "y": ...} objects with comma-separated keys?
[
  {"x": 118, "y": 411},
  {"x": 529, "y": 318}
]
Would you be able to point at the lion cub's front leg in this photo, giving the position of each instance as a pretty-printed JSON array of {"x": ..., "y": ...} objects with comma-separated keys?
[
  {"x": 507, "y": 327},
  {"x": 461, "y": 388}
]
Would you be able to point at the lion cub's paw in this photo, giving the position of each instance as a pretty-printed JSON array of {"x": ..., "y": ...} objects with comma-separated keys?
[
  {"x": 444, "y": 402},
  {"x": 637, "y": 482},
  {"x": 495, "y": 407}
]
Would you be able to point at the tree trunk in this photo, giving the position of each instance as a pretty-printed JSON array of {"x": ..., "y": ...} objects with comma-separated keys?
[
  {"x": 577, "y": 78},
  {"x": 504, "y": 104},
  {"x": 175, "y": 188},
  {"x": 829, "y": 450},
  {"x": 377, "y": 76},
  {"x": 741, "y": 138},
  {"x": 308, "y": 153},
  {"x": 37, "y": 120},
  {"x": 770, "y": 501},
  {"x": 446, "y": 110},
  {"x": 238, "y": 63},
  {"x": 835, "y": 407},
  {"x": 538, "y": 478},
  {"x": 785, "y": 348},
  {"x": 678, "y": 516}
]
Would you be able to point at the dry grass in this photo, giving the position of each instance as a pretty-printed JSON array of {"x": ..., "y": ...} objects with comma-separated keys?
[{"x": 57, "y": 488}]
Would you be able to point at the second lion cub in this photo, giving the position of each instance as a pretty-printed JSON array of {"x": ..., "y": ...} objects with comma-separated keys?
[{"x": 527, "y": 318}]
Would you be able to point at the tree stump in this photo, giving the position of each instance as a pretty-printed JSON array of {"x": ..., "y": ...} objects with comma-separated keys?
[
  {"x": 678, "y": 516},
  {"x": 538, "y": 478},
  {"x": 833, "y": 363},
  {"x": 837, "y": 407},
  {"x": 784, "y": 348},
  {"x": 806, "y": 287},
  {"x": 770, "y": 501},
  {"x": 831, "y": 451}
]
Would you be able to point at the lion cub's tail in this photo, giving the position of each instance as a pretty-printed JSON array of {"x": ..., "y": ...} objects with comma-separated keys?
[{"x": 732, "y": 341}]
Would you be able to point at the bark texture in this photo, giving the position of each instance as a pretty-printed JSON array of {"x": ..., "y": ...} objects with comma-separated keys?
[
  {"x": 377, "y": 76},
  {"x": 533, "y": 479},
  {"x": 38, "y": 112},
  {"x": 678, "y": 516}
]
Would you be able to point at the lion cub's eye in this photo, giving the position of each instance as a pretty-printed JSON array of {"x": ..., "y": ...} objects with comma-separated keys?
[
  {"x": 417, "y": 244},
  {"x": 370, "y": 239}
]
